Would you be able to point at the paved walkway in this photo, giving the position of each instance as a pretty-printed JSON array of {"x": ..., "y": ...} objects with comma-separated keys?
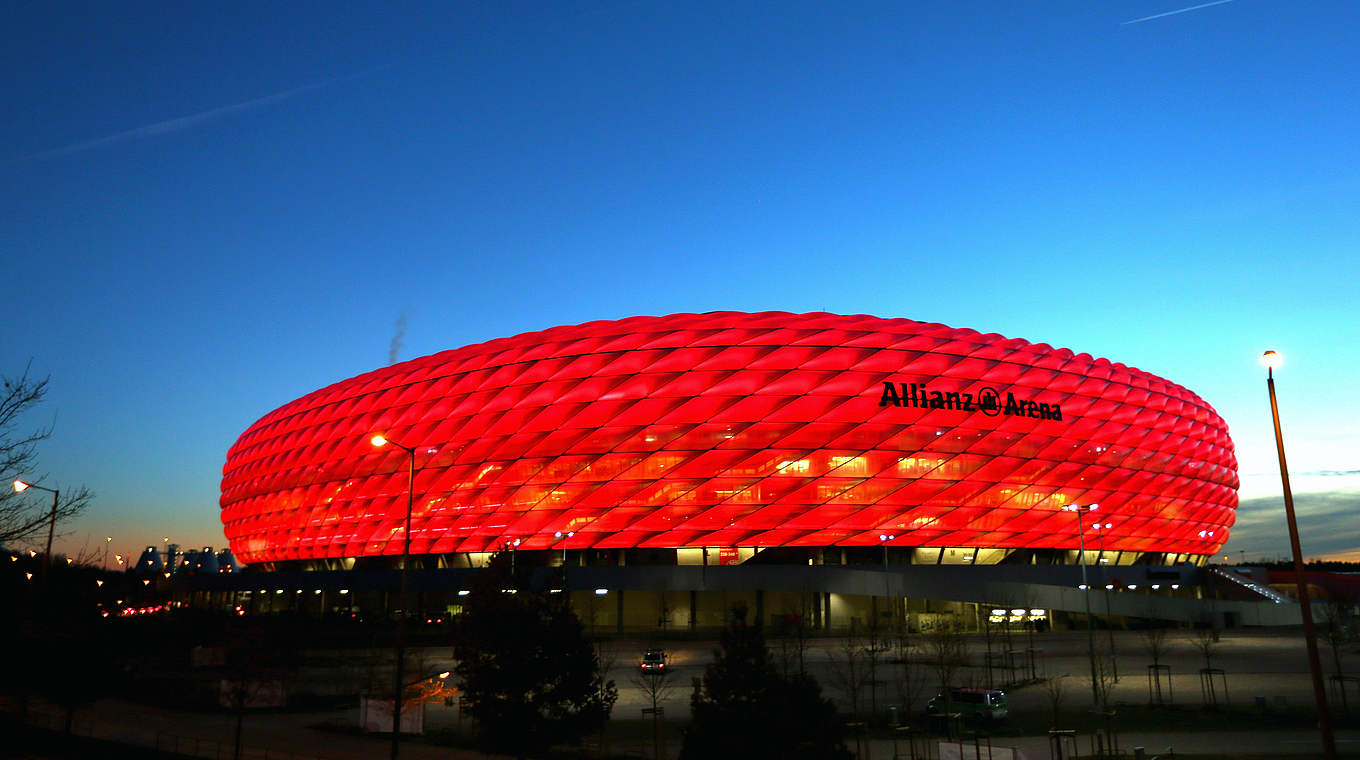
[
  {"x": 297, "y": 736},
  {"x": 1259, "y": 663},
  {"x": 267, "y": 736}
]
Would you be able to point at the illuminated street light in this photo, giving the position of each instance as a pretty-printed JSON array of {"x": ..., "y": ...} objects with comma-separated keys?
[
  {"x": 1271, "y": 360},
  {"x": 558, "y": 535},
  {"x": 1101, "y": 530},
  {"x": 380, "y": 440},
  {"x": 1086, "y": 594},
  {"x": 19, "y": 487}
]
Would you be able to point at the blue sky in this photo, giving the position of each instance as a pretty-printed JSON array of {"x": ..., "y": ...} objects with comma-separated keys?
[{"x": 209, "y": 211}]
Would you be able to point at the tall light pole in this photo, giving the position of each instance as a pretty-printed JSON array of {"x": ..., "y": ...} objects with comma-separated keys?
[
  {"x": 399, "y": 686},
  {"x": 884, "y": 538},
  {"x": 19, "y": 487},
  {"x": 1105, "y": 581},
  {"x": 1272, "y": 360},
  {"x": 1086, "y": 595}
]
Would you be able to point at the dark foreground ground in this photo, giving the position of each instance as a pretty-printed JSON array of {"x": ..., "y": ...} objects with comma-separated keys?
[{"x": 1266, "y": 711}]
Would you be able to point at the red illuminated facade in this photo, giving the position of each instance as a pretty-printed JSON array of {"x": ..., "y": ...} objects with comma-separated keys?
[{"x": 729, "y": 430}]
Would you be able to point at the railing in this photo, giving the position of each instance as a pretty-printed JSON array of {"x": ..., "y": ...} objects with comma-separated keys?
[{"x": 1250, "y": 585}]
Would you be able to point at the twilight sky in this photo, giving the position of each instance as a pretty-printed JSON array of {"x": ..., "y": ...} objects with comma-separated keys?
[{"x": 211, "y": 209}]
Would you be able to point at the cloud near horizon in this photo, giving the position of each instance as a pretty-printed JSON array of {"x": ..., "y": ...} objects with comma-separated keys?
[{"x": 1328, "y": 527}]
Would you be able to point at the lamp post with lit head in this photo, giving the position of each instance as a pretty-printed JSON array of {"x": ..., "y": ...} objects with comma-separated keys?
[
  {"x": 1101, "y": 529},
  {"x": 399, "y": 685},
  {"x": 19, "y": 487},
  {"x": 1272, "y": 360},
  {"x": 1086, "y": 594}
]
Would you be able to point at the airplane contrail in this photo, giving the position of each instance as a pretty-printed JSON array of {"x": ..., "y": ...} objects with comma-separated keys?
[
  {"x": 1173, "y": 13},
  {"x": 185, "y": 122}
]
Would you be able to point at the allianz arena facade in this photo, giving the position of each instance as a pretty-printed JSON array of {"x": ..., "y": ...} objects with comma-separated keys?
[{"x": 722, "y": 438}]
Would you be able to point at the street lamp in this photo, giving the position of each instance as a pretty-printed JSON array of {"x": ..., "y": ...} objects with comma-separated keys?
[
  {"x": 884, "y": 538},
  {"x": 1109, "y": 619},
  {"x": 558, "y": 535},
  {"x": 400, "y": 700},
  {"x": 1086, "y": 594},
  {"x": 1272, "y": 360},
  {"x": 379, "y": 440},
  {"x": 21, "y": 486}
]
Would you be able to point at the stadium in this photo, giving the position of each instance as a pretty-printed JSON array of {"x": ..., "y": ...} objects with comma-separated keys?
[{"x": 851, "y": 470}]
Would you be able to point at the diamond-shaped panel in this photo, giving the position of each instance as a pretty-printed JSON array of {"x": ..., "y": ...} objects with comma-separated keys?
[{"x": 728, "y": 429}]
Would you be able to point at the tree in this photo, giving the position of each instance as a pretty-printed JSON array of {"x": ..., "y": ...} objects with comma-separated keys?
[
  {"x": 1055, "y": 689},
  {"x": 1205, "y": 641},
  {"x": 656, "y": 688},
  {"x": 910, "y": 680},
  {"x": 947, "y": 652},
  {"x": 743, "y": 706},
  {"x": 22, "y": 517},
  {"x": 1339, "y": 630},
  {"x": 258, "y": 663},
  {"x": 1154, "y": 638},
  {"x": 849, "y": 669},
  {"x": 528, "y": 674},
  {"x": 791, "y": 636}
]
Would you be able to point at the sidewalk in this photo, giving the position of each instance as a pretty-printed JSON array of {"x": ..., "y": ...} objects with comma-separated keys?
[
  {"x": 264, "y": 736},
  {"x": 295, "y": 736},
  {"x": 1225, "y": 744}
]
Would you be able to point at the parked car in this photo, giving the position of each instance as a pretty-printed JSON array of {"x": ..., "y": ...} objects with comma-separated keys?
[
  {"x": 654, "y": 661},
  {"x": 982, "y": 704}
]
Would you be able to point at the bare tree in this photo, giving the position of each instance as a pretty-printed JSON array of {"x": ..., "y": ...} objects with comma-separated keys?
[
  {"x": 1205, "y": 641},
  {"x": 910, "y": 680},
  {"x": 1105, "y": 681},
  {"x": 1106, "y": 678},
  {"x": 946, "y": 653},
  {"x": 656, "y": 687},
  {"x": 988, "y": 639},
  {"x": 1339, "y": 628},
  {"x": 258, "y": 664},
  {"x": 607, "y": 657},
  {"x": 24, "y": 518},
  {"x": 791, "y": 639},
  {"x": 1008, "y": 656},
  {"x": 1055, "y": 689},
  {"x": 877, "y": 647},
  {"x": 849, "y": 668},
  {"x": 1155, "y": 644}
]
